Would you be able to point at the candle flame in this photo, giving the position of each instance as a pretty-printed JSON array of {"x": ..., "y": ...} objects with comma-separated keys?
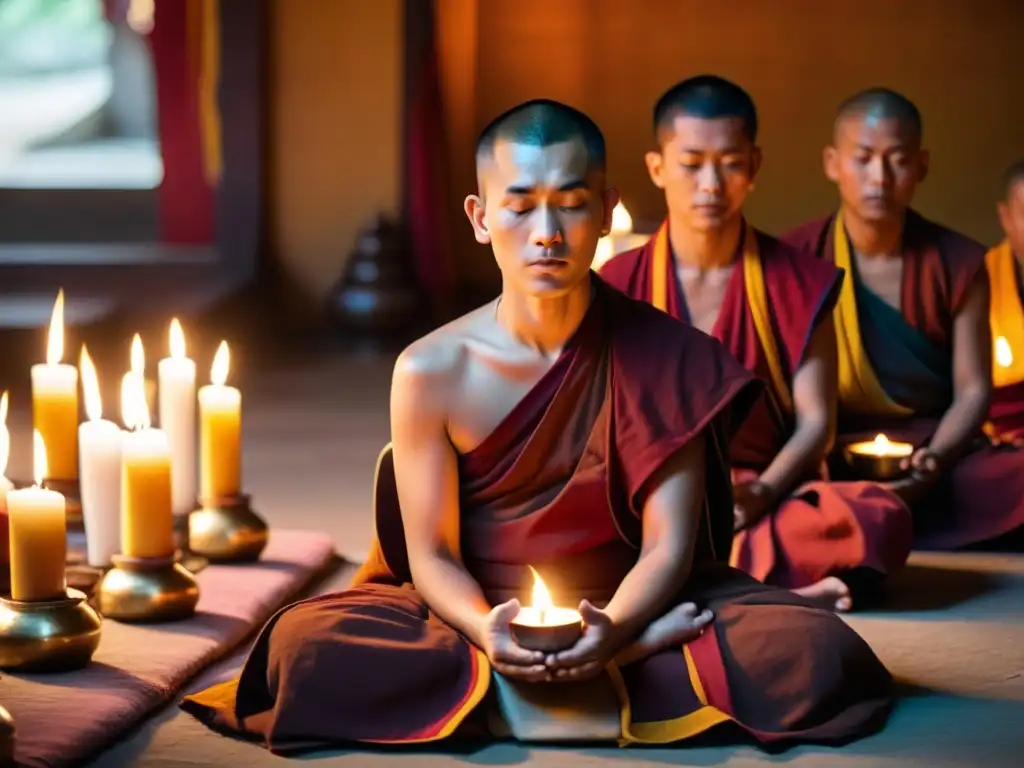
[
  {"x": 1004, "y": 355},
  {"x": 5, "y": 436},
  {"x": 541, "y": 597},
  {"x": 138, "y": 357},
  {"x": 134, "y": 408},
  {"x": 604, "y": 251},
  {"x": 622, "y": 222},
  {"x": 177, "y": 340},
  {"x": 90, "y": 387},
  {"x": 39, "y": 465},
  {"x": 55, "y": 340},
  {"x": 221, "y": 365}
]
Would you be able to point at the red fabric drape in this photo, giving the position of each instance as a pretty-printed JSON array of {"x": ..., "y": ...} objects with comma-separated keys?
[{"x": 424, "y": 179}]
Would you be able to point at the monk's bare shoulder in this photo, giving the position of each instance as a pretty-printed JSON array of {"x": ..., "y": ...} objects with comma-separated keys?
[{"x": 430, "y": 371}]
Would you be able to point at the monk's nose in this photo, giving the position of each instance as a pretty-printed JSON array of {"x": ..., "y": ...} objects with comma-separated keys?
[{"x": 548, "y": 232}]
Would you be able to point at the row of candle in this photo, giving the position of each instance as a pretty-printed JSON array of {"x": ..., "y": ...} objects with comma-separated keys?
[{"x": 131, "y": 482}]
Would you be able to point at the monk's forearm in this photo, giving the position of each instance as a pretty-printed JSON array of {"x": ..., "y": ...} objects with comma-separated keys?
[
  {"x": 960, "y": 425},
  {"x": 647, "y": 591},
  {"x": 453, "y": 594},
  {"x": 803, "y": 452}
]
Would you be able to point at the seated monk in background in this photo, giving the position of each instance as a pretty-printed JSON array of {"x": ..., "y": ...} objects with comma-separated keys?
[
  {"x": 771, "y": 306},
  {"x": 1005, "y": 264},
  {"x": 912, "y": 325},
  {"x": 567, "y": 427}
]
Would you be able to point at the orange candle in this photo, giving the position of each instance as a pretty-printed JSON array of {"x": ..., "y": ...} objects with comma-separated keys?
[{"x": 55, "y": 402}]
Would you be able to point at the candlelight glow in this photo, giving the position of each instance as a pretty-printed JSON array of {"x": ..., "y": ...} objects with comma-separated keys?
[
  {"x": 221, "y": 365},
  {"x": 90, "y": 387},
  {"x": 55, "y": 340},
  {"x": 622, "y": 222},
  {"x": 882, "y": 446},
  {"x": 138, "y": 358},
  {"x": 140, "y": 16},
  {"x": 605, "y": 250},
  {"x": 134, "y": 408},
  {"x": 39, "y": 467},
  {"x": 177, "y": 340},
  {"x": 5, "y": 436},
  {"x": 542, "y": 602},
  {"x": 1004, "y": 355}
]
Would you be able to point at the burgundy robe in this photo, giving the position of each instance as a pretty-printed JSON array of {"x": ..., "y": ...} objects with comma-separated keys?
[
  {"x": 822, "y": 528},
  {"x": 559, "y": 485},
  {"x": 911, "y": 352}
]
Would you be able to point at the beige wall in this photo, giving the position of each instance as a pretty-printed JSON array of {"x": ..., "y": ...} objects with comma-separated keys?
[
  {"x": 337, "y": 68},
  {"x": 335, "y": 125}
]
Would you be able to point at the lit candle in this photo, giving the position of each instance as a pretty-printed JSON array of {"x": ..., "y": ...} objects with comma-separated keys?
[
  {"x": 38, "y": 526},
  {"x": 622, "y": 222},
  {"x": 99, "y": 455},
  {"x": 1003, "y": 353},
  {"x": 5, "y": 453},
  {"x": 147, "y": 529},
  {"x": 55, "y": 401},
  {"x": 220, "y": 432},
  {"x": 882, "y": 446},
  {"x": 177, "y": 375},
  {"x": 543, "y": 626}
]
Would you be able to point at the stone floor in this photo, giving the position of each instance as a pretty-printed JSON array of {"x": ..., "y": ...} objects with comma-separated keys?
[{"x": 953, "y": 633}]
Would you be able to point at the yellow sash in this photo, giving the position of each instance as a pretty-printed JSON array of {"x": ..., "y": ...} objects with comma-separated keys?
[
  {"x": 1006, "y": 317},
  {"x": 757, "y": 297},
  {"x": 859, "y": 387}
]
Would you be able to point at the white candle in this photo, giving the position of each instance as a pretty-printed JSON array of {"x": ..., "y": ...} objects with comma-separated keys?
[
  {"x": 5, "y": 452},
  {"x": 38, "y": 525},
  {"x": 99, "y": 456},
  {"x": 177, "y": 377},
  {"x": 220, "y": 418},
  {"x": 55, "y": 401}
]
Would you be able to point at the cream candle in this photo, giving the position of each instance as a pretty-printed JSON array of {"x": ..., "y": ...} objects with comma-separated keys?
[
  {"x": 220, "y": 432},
  {"x": 55, "y": 401},
  {"x": 99, "y": 455},
  {"x": 38, "y": 532},
  {"x": 147, "y": 527},
  {"x": 177, "y": 377},
  {"x": 5, "y": 452}
]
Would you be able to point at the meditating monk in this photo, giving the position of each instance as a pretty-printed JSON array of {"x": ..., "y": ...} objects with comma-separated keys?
[
  {"x": 570, "y": 428},
  {"x": 771, "y": 306},
  {"x": 1005, "y": 265},
  {"x": 912, "y": 328}
]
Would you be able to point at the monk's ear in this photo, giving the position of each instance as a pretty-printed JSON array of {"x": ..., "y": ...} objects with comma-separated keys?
[
  {"x": 655, "y": 164},
  {"x": 924, "y": 159},
  {"x": 830, "y": 162},
  {"x": 610, "y": 197},
  {"x": 756, "y": 158},
  {"x": 1004, "y": 216},
  {"x": 475, "y": 212}
]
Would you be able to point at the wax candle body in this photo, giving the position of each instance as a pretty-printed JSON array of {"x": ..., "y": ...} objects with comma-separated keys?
[
  {"x": 99, "y": 445},
  {"x": 178, "y": 421},
  {"x": 6, "y": 486},
  {"x": 220, "y": 431},
  {"x": 38, "y": 544},
  {"x": 146, "y": 519},
  {"x": 55, "y": 417}
]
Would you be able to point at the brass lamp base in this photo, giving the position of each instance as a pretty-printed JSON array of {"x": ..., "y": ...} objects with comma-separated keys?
[
  {"x": 48, "y": 636},
  {"x": 227, "y": 531},
  {"x": 147, "y": 590}
]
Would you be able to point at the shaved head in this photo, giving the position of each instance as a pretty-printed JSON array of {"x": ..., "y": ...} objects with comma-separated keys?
[
  {"x": 881, "y": 104},
  {"x": 542, "y": 123},
  {"x": 707, "y": 97},
  {"x": 1012, "y": 176}
]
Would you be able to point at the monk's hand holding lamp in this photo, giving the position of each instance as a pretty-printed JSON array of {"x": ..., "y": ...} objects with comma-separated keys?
[{"x": 543, "y": 626}]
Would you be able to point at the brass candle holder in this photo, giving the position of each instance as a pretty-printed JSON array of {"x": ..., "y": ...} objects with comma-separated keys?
[
  {"x": 879, "y": 459},
  {"x": 227, "y": 530},
  {"x": 147, "y": 590},
  {"x": 48, "y": 635}
]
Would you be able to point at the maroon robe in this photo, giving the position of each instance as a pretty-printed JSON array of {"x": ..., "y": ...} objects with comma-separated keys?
[
  {"x": 559, "y": 485},
  {"x": 982, "y": 497},
  {"x": 823, "y": 528}
]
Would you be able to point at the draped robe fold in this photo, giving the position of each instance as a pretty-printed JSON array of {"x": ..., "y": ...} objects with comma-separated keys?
[
  {"x": 1006, "y": 319},
  {"x": 559, "y": 485},
  {"x": 895, "y": 375},
  {"x": 774, "y": 300}
]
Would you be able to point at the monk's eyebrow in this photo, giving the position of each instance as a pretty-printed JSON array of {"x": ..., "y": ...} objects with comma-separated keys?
[{"x": 569, "y": 186}]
